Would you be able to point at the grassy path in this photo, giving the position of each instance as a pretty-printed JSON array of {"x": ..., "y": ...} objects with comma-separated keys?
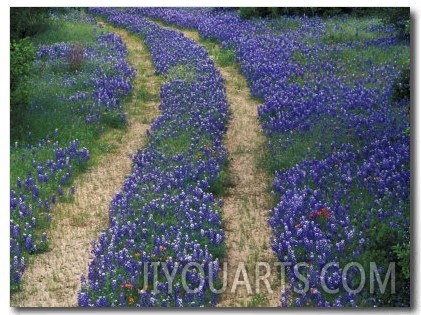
[
  {"x": 53, "y": 278},
  {"x": 247, "y": 199}
]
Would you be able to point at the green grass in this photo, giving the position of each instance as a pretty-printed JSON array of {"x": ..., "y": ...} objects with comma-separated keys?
[
  {"x": 219, "y": 186},
  {"x": 144, "y": 95},
  {"x": 182, "y": 72},
  {"x": 285, "y": 23},
  {"x": 50, "y": 109},
  {"x": 342, "y": 30},
  {"x": 178, "y": 144},
  {"x": 355, "y": 61},
  {"x": 51, "y": 113},
  {"x": 222, "y": 57},
  {"x": 258, "y": 300},
  {"x": 225, "y": 57},
  {"x": 297, "y": 147},
  {"x": 360, "y": 58},
  {"x": 19, "y": 166},
  {"x": 66, "y": 31}
]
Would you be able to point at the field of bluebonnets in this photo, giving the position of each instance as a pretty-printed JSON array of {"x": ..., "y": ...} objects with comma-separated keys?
[
  {"x": 70, "y": 107},
  {"x": 338, "y": 150}
]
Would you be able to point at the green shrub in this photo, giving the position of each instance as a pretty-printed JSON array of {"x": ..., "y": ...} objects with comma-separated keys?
[
  {"x": 383, "y": 249},
  {"x": 22, "y": 54},
  {"x": 397, "y": 17},
  {"x": 408, "y": 28},
  {"x": 274, "y": 12},
  {"x": 26, "y": 22},
  {"x": 403, "y": 253},
  {"x": 401, "y": 88},
  {"x": 250, "y": 12},
  {"x": 75, "y": 58}
]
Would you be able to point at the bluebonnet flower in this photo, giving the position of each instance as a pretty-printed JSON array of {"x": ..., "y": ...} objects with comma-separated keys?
[
  {"x": 28, "y": 195},
  {"x": 83, "y": 299},
  {"x": 163, "y": 206},
  {"x": 374, "y": 158}
]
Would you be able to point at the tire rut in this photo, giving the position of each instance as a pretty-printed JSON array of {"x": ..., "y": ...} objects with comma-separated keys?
[
  {"x": 247, "y": 200},
  {"x": 53, "y": 278}
]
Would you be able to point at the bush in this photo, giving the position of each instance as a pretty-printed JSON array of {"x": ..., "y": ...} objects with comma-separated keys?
[
  {"x": 403, "y": 253},
  {"x": 250, "y": 12},
  {"x": 253, "y": 12},
  {"x": 382, "y": 252},
  {"x": 408, "y": 28},
  {"x": 75, "y": 58},
  {"x": 401, "y": 88},
  {"x": 395, "y": 16},
  {"x": 22, "y": 54},
  {"x": 26, "y": 22},
  {"x": 398, "y": 17}
]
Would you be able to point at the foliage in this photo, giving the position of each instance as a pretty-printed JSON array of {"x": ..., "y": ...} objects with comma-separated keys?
[
  {"x": 40, "y": 177},
  {"x": 397, "y": 16},
  {"x": 22, "y": 54},
  {"x": 19, "y": 103},
  {"x": 165, "y": 212},
  {"x": 338, "y": 150},
  {"x": 249, "y": 12},
  {"x": 326, "y": 12},
  {"x": 408, "y": 27},
  {"x": 67, "y": 28},
  {"x": 26, "y": 22},
  {"x": 388, "y": 246},
  {"x": 401, "y": 88},
  {"x": 75, "y": 57},
  {"x": 274, "y": 12},
  {"x": 62, "y": 87},
  {"x": 403, "y": 253}
]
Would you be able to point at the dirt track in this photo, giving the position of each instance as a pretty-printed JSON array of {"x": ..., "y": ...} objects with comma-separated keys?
[
  {"x": 247, "y": 200},
  {"x": 53, "y": 279}
]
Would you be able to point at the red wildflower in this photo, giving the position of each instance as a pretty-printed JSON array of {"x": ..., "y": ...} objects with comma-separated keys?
[
  {"x": 324, "y": 212},
  {"x": 126, "y": 285}
]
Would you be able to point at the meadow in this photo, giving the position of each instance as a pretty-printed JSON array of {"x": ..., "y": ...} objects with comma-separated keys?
[
  {"x": 335, "y": 114},
  {"x": 75, "y": 94}
]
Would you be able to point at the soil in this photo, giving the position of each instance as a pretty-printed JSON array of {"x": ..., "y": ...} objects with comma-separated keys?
[{"x": 247, "y": 200}]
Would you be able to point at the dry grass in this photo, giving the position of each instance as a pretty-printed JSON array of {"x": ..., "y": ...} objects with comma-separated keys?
[
  {"x": 53, "y": 279},
  {"x": 246, "y": 203}
]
